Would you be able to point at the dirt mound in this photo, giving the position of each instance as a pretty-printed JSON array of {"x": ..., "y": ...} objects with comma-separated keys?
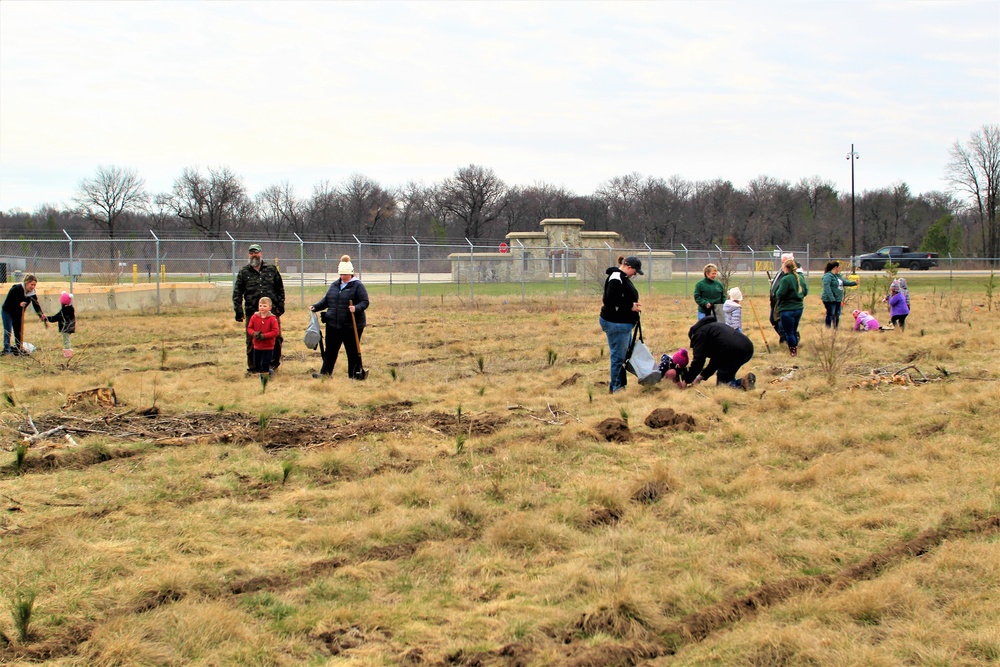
[
  {"x": 613, "y": 429},
  {"x": 667, "y": 418},
  {"x": 272, "y": 433}
]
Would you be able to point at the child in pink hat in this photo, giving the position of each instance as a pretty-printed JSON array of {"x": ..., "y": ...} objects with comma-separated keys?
[
  {"x": 863, "y": 321},
  {"x": 66, "y": 319},
  {"x": 671, "y": 365}
]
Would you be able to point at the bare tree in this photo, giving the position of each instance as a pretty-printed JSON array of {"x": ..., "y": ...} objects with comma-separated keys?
[
  {"x": 325, "y": 210},
  {"x": 110, "y": 196},
  {"x": 213, "y": 203},
  {"x": 368, "y": 206},
  {"x": 822, "y": 214},
  {"x": 279, "y": 211},
  {"x": 474, "y": 195},
  {"x": 414, "y": 210},
  {"x": 974, "y": 173}
]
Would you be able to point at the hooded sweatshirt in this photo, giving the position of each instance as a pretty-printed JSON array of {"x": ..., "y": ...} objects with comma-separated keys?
[
  {"x": 619, "y": 295},
  {"x": 712, "y": 339}
]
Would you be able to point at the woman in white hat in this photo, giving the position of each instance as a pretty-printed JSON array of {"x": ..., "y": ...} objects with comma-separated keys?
[{"x": 344, "y": 305}]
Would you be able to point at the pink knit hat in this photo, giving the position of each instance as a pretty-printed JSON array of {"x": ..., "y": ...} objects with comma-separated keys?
[
  {"x": 680, "y": 358},
  {"x": 65, "y": 298}
]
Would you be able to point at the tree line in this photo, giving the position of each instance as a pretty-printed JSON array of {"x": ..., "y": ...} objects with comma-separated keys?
[{"x": 476, "y": 204}]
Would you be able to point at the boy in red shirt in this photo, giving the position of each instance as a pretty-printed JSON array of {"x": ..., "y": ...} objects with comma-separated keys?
[{"x": 264, "y": 329}]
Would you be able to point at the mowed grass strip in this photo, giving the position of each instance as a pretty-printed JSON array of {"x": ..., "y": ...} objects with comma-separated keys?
[{"x": 460, "y": 507}]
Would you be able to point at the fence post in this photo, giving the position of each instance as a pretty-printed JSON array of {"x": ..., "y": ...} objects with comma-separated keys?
[
  {"x": 302, "y": 270},
  {"x": 472, "y": 292},
  {"x": 611, "y": 252},
  {"x": 158, "y": 268},
  {"x": 235, "y": 271},
  {"x": 418, "y": 268},
  {"x": 807, "y": 260},
  {"x": 524, "y": 267},
  {"x": 566, "y": 267},
  {"x": 390, "y": 274},
  {"x": 649, "y": 267},
  {"x": 753, "y": 269},
  {"x": 70, "y": 260},
  {"x": 951, "y": 271},
  {"x": 359, "y": 254},
  {"x": 686, "y": 253}
]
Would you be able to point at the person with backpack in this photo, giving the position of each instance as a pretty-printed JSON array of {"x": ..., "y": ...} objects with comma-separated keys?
[{"x": 619, "y": 314}]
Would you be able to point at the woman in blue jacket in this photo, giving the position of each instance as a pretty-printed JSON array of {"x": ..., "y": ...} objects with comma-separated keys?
[{"x": 345, "y": 299}]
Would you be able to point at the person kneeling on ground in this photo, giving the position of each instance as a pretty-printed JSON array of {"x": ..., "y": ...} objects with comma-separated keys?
[
  {"x": 725, "y": 348},
  {"x": 863, "y": 321}
]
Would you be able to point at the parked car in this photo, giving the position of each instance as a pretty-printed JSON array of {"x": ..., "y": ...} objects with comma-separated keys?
[{"x": 899, "y": 255}]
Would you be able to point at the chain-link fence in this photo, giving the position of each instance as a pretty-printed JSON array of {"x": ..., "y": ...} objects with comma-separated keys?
[{"x": 466, "y": 265}]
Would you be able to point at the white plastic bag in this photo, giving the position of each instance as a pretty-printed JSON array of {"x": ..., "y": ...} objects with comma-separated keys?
[
  {"x": 313, "y": 334},
  {"x": 640, "y": 361}
]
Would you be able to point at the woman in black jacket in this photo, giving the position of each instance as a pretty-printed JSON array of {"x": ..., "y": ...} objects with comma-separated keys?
[
  {"x": 346, "y": 298},
  {"x": 619, "y": 315},
  {"x": 20, "y": 296}
]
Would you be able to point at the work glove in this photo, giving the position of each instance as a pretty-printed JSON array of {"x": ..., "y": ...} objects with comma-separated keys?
[
  {"x": 259, "y": 335},
  {"x": 239, "y": 317}
]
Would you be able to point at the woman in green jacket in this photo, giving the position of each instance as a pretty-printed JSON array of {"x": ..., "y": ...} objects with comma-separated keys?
[
  {"x": 788, "y": 296},
  {"x": 708, "y": 292},
  {"x": 833, "y": 293}
]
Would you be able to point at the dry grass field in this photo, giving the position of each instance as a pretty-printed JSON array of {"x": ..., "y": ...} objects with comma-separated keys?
[{"x": 464, "y": 506}]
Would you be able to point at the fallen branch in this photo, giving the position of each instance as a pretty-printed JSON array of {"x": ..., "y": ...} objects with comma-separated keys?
[
  {"x": 906, "y": 368},
  {"x": 32, "y": 439},
  {"x": 27, "y": 415},
  {"x": 547, "y": 421}
]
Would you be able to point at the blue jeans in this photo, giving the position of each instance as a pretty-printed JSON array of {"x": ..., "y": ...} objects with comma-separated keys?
[
  {"x": 833, "y": 309},
  {"x": 619, "y": 336},
  {"x": 790, "y": 325},
  {"x": 8, "y": 331}
]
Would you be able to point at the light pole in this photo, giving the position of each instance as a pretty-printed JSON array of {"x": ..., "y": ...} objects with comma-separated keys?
[{"x": 852, "y": 156}]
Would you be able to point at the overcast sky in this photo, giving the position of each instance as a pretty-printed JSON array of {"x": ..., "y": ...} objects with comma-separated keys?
[{"x": 565, "y": 93}]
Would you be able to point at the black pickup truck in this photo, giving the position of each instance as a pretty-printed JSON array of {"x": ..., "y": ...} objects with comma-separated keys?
[{"x": 899, "y": 255}]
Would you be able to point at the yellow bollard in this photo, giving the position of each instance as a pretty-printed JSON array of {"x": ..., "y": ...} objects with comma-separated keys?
[
  {"x": 135, "y": 274},
  {"x": 163, "y": 273}
]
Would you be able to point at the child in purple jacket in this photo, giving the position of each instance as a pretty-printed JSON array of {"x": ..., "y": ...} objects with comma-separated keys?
[{"x": 898, "y": 308}]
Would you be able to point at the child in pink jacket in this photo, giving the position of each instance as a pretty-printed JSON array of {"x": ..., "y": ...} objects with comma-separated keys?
[{"x": 865, "y": 322}]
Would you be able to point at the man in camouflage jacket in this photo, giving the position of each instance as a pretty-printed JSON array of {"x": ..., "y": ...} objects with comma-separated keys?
[{"x": 255, "y": 280}]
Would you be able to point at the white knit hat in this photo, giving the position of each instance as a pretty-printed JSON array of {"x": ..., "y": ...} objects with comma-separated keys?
[
  {"x": 345, "y": 267},
  {"x": 735, "y": 294}
]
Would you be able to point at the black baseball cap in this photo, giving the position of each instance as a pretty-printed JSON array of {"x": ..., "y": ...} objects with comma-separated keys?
[{"x": 635, "y": 263}]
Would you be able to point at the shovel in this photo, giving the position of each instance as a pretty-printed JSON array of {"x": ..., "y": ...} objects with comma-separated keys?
[{"x": 361, "y": 374}]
